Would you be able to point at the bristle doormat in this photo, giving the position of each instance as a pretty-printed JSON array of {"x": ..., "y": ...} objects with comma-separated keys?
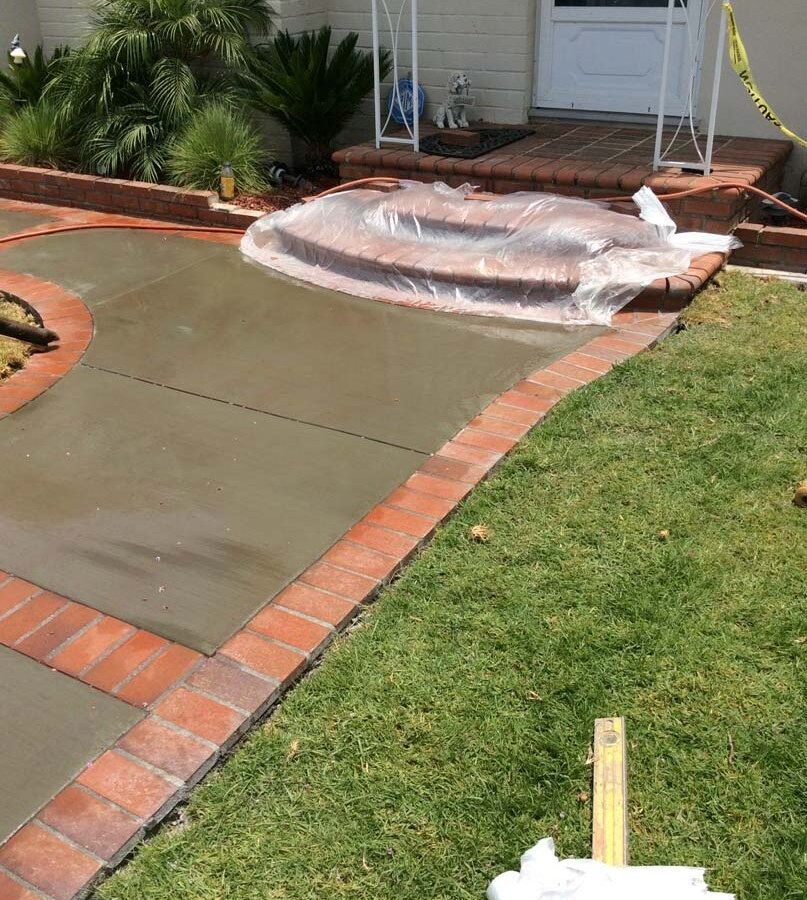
[{"x": 489, "y": 139}]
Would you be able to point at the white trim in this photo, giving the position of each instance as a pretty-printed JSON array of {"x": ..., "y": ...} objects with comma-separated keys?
[
  {"x": 583, "y": 115},
  {"x": 756, "y": 272},
  {"x": 698, "y": 52},
  {"x": 394, "y": 31},
  {"x": 548, "y": 15}
]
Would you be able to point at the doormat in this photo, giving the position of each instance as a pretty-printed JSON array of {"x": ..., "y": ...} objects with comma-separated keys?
[{"x": 489, "y": 139}]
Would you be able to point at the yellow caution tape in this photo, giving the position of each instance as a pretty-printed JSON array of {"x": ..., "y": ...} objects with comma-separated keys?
[{"x": 742, "y": 66}]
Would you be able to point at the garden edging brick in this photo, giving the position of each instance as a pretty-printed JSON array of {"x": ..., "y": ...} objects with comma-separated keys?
[
  {"x": 115, "y": 195},
  {"x": 776, "y": 247}
]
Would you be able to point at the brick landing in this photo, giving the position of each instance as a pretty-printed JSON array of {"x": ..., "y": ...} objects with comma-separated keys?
[{"x": 592, "y": 160}]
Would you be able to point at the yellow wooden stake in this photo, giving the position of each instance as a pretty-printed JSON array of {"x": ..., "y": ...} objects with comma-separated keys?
[{"x": 609, "y": 843}]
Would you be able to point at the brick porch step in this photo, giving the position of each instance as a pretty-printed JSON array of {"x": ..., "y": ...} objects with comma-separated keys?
[
  {"x": 428, "y": 240},
  {"x": 592, "y": 160},
  {"x": 431, "y": 247}
]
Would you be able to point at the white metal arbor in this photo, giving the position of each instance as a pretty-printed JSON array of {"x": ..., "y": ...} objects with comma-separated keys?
[
  {"x": 696, "y": 38},
  {"x": 393, "y": 23}
]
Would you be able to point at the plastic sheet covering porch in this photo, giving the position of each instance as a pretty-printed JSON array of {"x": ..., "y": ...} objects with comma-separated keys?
[{"x": 526, "y": 255}]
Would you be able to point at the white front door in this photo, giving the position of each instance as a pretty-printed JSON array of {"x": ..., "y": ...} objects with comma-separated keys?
[{"x": 606, "y": 55}]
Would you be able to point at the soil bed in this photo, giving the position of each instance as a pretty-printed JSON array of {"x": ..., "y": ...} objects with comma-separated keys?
[{"x": 13, "y": 353}]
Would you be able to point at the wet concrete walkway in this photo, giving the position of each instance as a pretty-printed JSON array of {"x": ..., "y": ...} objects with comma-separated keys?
[
  {"x": 226, "y": 427},
  {"x": 223, "y": 430}
]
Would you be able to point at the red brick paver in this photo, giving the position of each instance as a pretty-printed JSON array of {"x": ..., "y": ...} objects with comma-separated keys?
[{"x": 109, "y": 654}]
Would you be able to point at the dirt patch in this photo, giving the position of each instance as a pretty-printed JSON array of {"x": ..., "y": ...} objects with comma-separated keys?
[
  {"x": 283, "y": 198},
  {"x": 13, "y": 353}
]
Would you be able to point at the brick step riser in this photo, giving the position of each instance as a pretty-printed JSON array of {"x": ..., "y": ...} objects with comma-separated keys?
[
  {"x": 541, "y": 287},
  {"x": 718, "y": 213}
]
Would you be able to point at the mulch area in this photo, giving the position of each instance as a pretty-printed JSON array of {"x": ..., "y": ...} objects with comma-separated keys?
[{"x": 283, "y": 198}]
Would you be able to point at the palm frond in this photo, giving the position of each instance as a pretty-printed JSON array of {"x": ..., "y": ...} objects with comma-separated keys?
[
  {"x": 173, "y": 89},
  {"x": 130, "y": 142},
  {"x": 147, "y": 65},
  {"x": 27, "y": 82}
]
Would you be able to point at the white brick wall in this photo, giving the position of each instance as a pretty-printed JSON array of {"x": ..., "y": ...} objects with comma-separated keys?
[
  {"x": 493, "y": 43},
  {"x": 300, "y": 15},
  {"x": 19, "y": 17},
  {"x": 62, "y": 21}
]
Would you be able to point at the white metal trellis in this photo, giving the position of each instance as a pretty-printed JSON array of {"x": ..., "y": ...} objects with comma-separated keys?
[
  {"x": 413, "y": 140},
  {"x": 697, "y": 50}
]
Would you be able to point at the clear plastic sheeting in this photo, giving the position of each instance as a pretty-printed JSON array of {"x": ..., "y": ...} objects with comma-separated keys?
[
  {"x": 545, "y": 877},
  {"x": 524, "y": 255}
]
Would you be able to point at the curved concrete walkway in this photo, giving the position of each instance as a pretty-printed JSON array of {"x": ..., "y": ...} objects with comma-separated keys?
[{"x": 227, "y": 438}]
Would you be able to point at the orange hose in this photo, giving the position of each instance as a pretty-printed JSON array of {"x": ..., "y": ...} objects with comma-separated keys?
[
  {"x": 677, "y": 195},
  {"x": 386, "y": 182},
  {"x": 10, "y": 239},
  {"x": 350, "y": 185},
  {"x": 727, "y": 185}
]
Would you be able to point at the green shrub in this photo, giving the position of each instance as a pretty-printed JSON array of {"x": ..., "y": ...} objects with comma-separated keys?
[
  {"x": 311, "y": 91},
  {"x": 147, "y": 65},
  {"x": 36, "y": 136},
  {"x": 25, "y": 83},
  {"x": 214, "y": 135}
]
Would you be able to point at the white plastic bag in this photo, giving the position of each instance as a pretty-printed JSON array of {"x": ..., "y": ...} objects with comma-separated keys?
[
  {"x": 545, "y": 877},
  {"x": 525, "y": 255}
]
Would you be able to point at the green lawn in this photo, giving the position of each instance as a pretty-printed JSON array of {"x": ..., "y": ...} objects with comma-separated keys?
[{"x": 450, "y": 732}]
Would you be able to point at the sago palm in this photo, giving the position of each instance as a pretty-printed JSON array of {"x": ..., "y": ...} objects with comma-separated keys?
[
  {"x": 312, "y": 91},
  {"x": 146, "y": 66}
]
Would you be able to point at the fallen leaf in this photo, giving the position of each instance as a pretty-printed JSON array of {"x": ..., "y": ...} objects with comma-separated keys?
[{"x": 480, "y": 533}]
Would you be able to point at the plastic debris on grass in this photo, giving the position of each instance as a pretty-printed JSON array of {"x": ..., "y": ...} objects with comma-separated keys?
[{"x": 545, "y": 877}]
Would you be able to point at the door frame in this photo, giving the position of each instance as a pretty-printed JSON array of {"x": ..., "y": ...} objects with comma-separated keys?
[{"x": 543, "y": 47}]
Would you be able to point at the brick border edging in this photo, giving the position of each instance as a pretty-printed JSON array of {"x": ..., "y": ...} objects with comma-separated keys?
[
  {"x": 115, "y": 657},
  {"x": 94, "y": 822},
  {"x": 772, "y": 247},
  {"x": 66, "y": 314},
  {"x": 116, "y": 195}
]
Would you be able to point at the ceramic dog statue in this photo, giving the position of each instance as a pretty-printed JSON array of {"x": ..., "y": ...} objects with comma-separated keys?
[{"x": 452, "y": 111}]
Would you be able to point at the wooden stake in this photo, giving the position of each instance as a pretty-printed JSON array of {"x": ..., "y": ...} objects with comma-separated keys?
[{"x": 609, "y": 843}]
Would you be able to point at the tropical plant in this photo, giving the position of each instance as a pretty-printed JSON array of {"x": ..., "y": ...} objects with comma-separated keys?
[
  {"x": 147, "y": 65},
  {"x": 26, "y": 82},
  {"x": 312, "y": 91},
  {"x": 214, "y": 135},
  {"x": 36, "y": 136}
]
